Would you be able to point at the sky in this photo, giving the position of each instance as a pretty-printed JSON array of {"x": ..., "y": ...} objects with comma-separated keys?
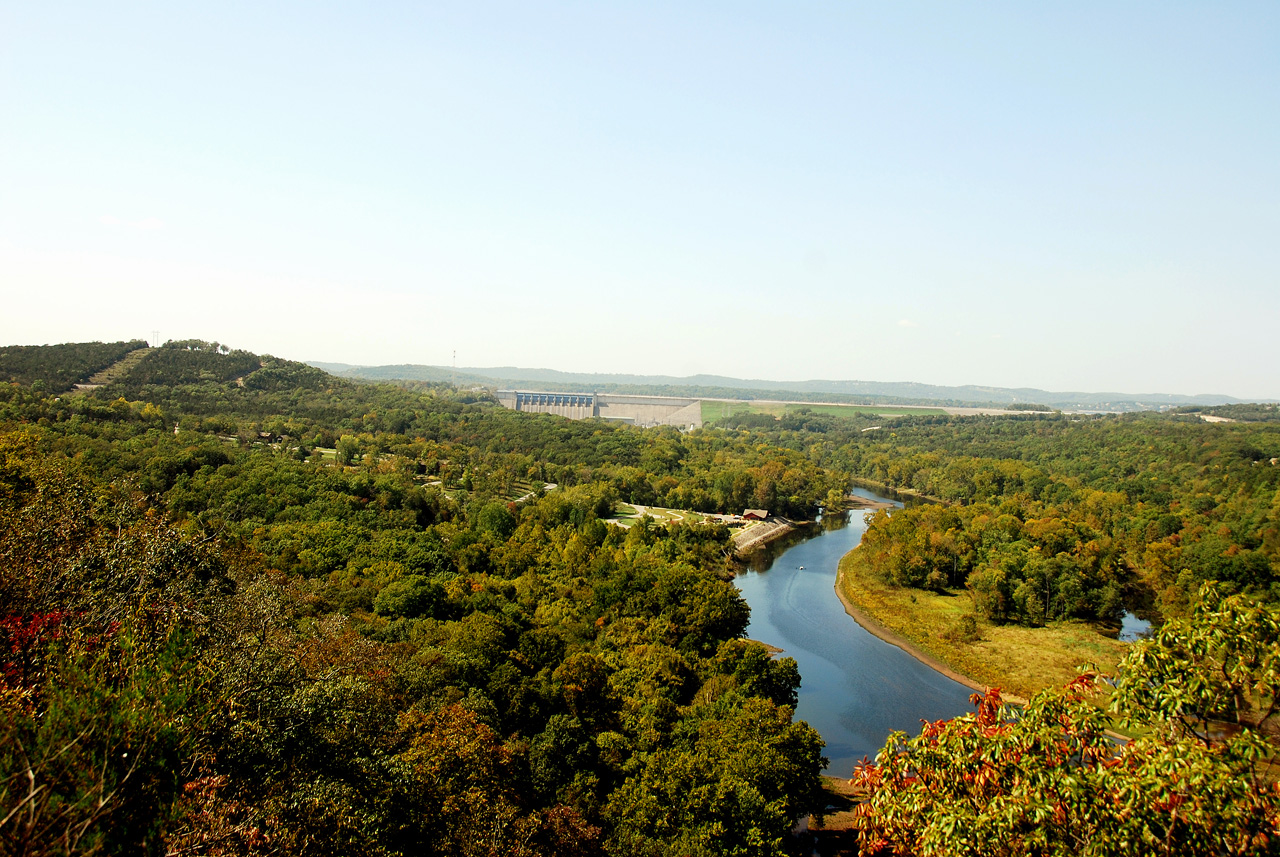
[{"x": 1080, "y": 196}]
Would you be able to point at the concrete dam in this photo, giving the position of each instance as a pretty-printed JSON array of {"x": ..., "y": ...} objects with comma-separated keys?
[{"x": 637, "y": 410}]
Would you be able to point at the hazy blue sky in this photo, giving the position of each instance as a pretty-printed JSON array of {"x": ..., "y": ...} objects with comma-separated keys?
[{"x": 1069, "y": 196}]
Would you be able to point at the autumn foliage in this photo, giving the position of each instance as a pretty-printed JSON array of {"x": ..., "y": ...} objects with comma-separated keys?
[{"x": 1048, "y": 778}]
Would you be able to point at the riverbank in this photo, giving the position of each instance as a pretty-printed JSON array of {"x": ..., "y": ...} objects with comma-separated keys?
[
  {"x": 928, "y": 626},
  {"x": 856, "y": 690},
  {"x": 902, "y": 495},
  {"x": 760, "y": 534},
  {"x": 858, "y": 503},
  {"x": 878, "y": 629},
  {"x": 833, "y": 833}
]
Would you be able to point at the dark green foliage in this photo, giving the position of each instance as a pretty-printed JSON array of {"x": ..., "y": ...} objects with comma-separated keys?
[
  {"x": 190, "y": 362},
  {"x": 747, "y": 420},
  {"x": 729, "y": 784},
  {"x": 411, "y": 648},
  {"x": 758, "y": 674},
  {"x": 355, "y": 659},
  {"x": 1252, "y": 412},
  {"x": 412, "y": 597},
  {"x": 59, "y": 367},
  {"x": 94, "y": 756},
  {"x": 1053, "y": 516},
  {"x": 496, "y": 520}
]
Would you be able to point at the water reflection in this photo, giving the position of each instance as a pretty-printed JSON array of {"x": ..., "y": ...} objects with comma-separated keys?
[
  {"x": 856, "y": 688},
  {"x": 1132, "y": 628}
]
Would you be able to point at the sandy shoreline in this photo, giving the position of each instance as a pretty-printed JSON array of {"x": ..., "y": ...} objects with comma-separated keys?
[
  {"x": 862, "y": 504},
  {"x": 895, "y": 639}
]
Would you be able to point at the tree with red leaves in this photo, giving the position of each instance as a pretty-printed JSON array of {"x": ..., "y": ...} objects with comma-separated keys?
[{"x": 1048, "y": 779}]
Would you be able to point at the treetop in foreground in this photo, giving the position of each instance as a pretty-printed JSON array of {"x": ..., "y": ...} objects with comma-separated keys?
[{"x": 1049, "y": 778}]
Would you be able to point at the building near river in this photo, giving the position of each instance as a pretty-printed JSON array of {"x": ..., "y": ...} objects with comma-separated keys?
[{"x": 636, "y": 410}]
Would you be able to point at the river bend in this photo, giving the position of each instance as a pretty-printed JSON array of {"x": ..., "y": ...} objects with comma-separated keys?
[{"x": 855, "y": 688}]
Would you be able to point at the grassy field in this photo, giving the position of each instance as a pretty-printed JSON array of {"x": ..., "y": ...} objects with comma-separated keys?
[
  {"x": 1016, "y": 659},
  {"x": 626, "y": 514},
  {"x": 849, "y": 410},
  {"x": 522, "y": 487},
  {"x": 712, "y": 411}
]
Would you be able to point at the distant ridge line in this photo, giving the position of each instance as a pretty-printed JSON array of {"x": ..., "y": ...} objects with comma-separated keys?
[{"x": 720, "y": 386}]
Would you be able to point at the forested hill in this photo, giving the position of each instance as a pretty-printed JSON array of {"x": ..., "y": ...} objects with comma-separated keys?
[
  {"x": 719, "y": 386},
  {"x": 1051, "y": 516},
  {"x": 249, "y": 604},
  {"x": 1252, "y": 412},
  {"x": 57, "y": 368},
  {"x": 247, "y": 607},
  {"x": 60, "y": 367}
]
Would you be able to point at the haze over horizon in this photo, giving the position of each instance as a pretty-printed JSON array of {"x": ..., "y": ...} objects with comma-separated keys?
[
  {"x": 497, "y": 372},
  {"x": 1068, "y": 199}
]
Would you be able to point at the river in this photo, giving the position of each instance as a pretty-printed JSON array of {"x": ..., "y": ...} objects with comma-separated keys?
[{"x": 855, "y": 688}]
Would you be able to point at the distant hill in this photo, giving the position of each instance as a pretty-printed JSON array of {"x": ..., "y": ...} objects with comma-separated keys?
[
  {"x": 1247, "y": 413},
  {"x": 720, "y": 386},
  {"x": 331, "y": 368},
  {"x": 61, "y": 367},
  {"x": 127, "y": 367}
]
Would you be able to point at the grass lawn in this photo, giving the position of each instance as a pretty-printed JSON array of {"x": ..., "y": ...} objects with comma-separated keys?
[
  {"x": 624, "y": 512},
  {"x": 1016, "y": 659},
  {"x": 712, "y": 411},
  {"x": 850, "y": 410},
  {"x": 663, "y": 516},
  {"x": 521, "y": 488}
]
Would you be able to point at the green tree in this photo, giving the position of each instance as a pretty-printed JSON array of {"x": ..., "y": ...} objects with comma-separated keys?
[
  {"x": 95, "y": 758},
  {"x": 411, "y": 597},
  {"x": 348, "y": 449},
  {"x": 733, "y": 782},
  {"x": 1046, "y": 779},
  {"x": 1219, "y": 665},
  {"x": 497, "y": 520}
]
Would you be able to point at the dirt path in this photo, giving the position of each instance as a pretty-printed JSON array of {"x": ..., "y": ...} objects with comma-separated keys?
[{"x": 115, "y": 371}]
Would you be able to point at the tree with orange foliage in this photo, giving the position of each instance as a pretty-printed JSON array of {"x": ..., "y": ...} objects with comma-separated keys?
[{"x": 1048, "y": 779}]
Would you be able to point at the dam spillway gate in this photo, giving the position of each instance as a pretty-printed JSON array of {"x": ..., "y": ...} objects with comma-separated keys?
[{"x": 637, "y": 410}]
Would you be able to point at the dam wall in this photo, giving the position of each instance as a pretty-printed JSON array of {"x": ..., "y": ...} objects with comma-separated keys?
[
  {"x": 575, "y": 406},
  {"x": 637, "y": 410}
]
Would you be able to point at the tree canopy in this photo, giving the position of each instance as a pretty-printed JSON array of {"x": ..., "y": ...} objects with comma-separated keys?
[
  {"x": 248, "y": 607},
  {"x": 1047, "y": 778}
]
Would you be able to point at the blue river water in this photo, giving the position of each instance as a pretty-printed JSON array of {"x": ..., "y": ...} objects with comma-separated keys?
[{"x": 855, "y": 688}]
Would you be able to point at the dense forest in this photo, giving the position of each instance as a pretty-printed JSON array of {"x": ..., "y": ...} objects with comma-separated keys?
[
  {"x": 55, "y": 368},
  {"x": 1043, "y": 518},
  {"x": 251, "y": 608},
  {"x": 1052, "y": 516}
]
